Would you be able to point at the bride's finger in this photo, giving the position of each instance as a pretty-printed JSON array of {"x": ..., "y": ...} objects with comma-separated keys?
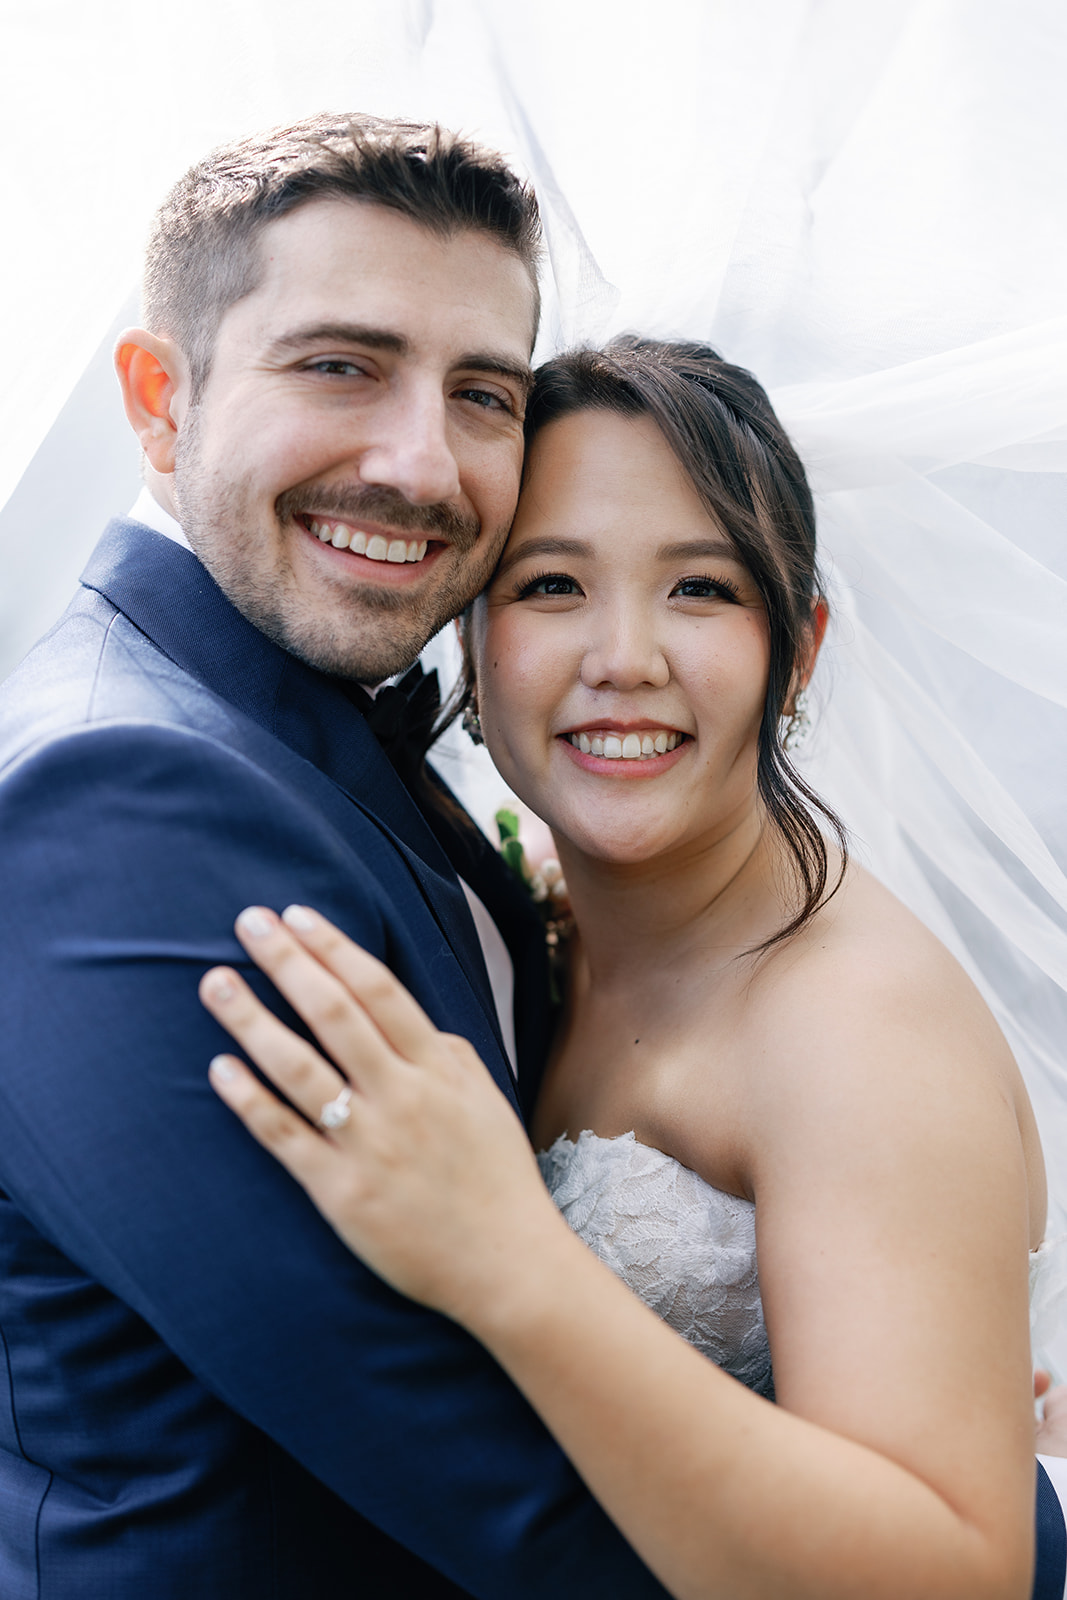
[
  {"x": 302, "y": 1151},
  {"x": 399, "y": 1018},
  {"x": 339, "y": 1021},
  {"x": 306, "y": 1080}
]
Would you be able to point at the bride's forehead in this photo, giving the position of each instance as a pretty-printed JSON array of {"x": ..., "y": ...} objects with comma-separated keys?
[
  {"x": 605, "y": 468},
  {"x": 595, "y": 435}
]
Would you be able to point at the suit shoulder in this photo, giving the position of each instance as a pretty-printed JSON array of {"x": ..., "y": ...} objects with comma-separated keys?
[{"x": 95, "y": 671}]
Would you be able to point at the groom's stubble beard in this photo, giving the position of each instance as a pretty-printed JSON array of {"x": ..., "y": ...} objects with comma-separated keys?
[{"x": 362, "y": 632}]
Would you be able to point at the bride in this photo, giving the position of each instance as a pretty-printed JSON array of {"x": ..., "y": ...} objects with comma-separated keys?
[{"x": 764, "y": 1060}]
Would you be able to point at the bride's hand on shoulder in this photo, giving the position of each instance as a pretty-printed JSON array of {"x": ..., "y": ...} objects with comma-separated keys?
[{"x": 410, "y": 1151}]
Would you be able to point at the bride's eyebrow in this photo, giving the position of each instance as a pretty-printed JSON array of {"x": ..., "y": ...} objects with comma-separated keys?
[
  {"x": 700, "y": 549},
  {"x": 573, "y": 548}
]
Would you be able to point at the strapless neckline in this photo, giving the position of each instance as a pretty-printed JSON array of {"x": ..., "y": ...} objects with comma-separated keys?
[
  {"x": 689, "y": 1249},
  {"x": 686, "y": 1248}
]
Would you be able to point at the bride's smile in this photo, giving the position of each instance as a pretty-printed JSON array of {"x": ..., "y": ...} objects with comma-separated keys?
[{"x": 621, "y": 651}]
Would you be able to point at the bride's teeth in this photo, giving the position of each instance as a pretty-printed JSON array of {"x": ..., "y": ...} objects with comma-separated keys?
[
  {"x": 341, "y": 537},
  {"x": 377, "y": 548},
  {"x": 626, "y": 747},
  {"x": 397, "y": 550}
]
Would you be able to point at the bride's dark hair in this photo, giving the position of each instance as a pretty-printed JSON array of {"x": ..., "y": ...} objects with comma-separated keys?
[{"x": 720, "y": 425}]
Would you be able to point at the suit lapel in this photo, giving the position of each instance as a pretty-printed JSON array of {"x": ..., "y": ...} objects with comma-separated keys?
[{"x": 169, "y": 596}]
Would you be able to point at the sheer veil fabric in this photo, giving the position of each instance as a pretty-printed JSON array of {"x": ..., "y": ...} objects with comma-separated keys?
[{"x": 863, "y": 204}]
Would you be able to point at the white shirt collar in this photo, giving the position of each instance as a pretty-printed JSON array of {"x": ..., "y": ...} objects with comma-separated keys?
[{"x": 147, "y": 509}]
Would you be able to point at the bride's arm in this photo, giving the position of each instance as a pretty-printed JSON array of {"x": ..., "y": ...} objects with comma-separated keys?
[{"x": 879, "y": 1481}]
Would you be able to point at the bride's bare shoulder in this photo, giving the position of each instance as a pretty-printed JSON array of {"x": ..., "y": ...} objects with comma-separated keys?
[
  {"x": 866, "y": 1031},
  {"x": 866, "y": 978},
  {"x": 863, "y": 931}
]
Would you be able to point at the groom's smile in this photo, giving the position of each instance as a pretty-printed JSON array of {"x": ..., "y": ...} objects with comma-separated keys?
[{"x": 349, "y": 472}]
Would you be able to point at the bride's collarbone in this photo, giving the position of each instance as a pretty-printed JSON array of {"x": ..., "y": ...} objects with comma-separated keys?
[
  {"x": 681, "y": 1054},
  {"x": 671, "y": 1076}
]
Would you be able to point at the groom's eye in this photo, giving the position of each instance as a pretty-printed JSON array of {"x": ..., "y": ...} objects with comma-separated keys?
[
  {"x": 336, "y": 367},
  {"x": 485, "y": 399}
]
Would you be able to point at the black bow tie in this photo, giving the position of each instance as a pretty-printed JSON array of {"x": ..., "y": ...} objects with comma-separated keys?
[{"x": 401, "y": 717}]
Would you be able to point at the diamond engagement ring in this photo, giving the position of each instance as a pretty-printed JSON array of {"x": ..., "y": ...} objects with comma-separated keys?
[{"x": 335, "y": 1113}]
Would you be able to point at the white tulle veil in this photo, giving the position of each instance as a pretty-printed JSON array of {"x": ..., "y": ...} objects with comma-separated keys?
[{"x": 862, "y": 203}]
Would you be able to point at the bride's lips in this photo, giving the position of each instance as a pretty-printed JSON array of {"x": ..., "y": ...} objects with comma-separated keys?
[
  {"x": 377, "y": 553},
  {"x": 627, "y": 749}
]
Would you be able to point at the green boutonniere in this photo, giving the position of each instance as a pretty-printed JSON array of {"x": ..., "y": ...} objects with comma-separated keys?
[{"x": 546, "y": 889}]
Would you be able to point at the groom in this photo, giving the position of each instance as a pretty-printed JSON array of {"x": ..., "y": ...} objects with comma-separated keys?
[{"x": 206, "y": 1395}]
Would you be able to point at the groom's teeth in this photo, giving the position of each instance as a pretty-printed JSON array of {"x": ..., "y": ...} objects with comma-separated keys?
[
  {"x": 631, "y": 747},
  {"x": 376, "y": 548}
]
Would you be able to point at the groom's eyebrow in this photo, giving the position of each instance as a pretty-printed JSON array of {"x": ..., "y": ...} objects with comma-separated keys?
[{"x": 340, "y": 333}]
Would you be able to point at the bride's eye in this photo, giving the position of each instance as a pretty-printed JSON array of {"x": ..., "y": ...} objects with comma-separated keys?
[
  {"x": 549, "y": 583},
  {"x": 705, "y": 589}
]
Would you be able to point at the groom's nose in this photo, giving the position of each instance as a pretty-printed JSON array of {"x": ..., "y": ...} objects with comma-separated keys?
[{"x": 409, "y": 446}]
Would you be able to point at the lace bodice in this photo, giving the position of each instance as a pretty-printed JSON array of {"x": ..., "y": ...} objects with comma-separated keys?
[{"x": 687, "y": 1249}]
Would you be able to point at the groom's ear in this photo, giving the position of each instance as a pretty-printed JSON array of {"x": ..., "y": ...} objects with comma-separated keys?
[{"x": 153, "y": 377}]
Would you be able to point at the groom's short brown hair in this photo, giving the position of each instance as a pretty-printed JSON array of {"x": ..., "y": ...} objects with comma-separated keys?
[{"x": 202, "y": 252}]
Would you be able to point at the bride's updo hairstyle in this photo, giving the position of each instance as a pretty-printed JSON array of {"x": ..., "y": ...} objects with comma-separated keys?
[{"x": 719, "y": 423}]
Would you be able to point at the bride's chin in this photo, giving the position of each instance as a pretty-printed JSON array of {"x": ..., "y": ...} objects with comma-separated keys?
[{"x": 622, "y": 848}]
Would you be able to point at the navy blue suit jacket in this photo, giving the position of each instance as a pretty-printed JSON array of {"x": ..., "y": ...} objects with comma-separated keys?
[{"x": 205, "y": 1393}]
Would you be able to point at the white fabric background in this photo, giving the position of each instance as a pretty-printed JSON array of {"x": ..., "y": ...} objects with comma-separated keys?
[{"x": 864, "y": 203}]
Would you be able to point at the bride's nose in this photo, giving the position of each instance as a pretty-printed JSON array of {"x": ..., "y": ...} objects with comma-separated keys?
[{"x": 624, "y": 653}]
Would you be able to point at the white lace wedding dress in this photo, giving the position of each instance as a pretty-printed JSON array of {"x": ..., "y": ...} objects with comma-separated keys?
[{"x": 689, "y": 1250}]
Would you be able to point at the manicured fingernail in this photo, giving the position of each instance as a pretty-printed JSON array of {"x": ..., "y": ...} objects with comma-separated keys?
[
  {"x": 254, "y": 924},
  {"x": 298, "y": 917},
  {"x": 222, "y": 1069},
  {"x": 219, "y": 988}
]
